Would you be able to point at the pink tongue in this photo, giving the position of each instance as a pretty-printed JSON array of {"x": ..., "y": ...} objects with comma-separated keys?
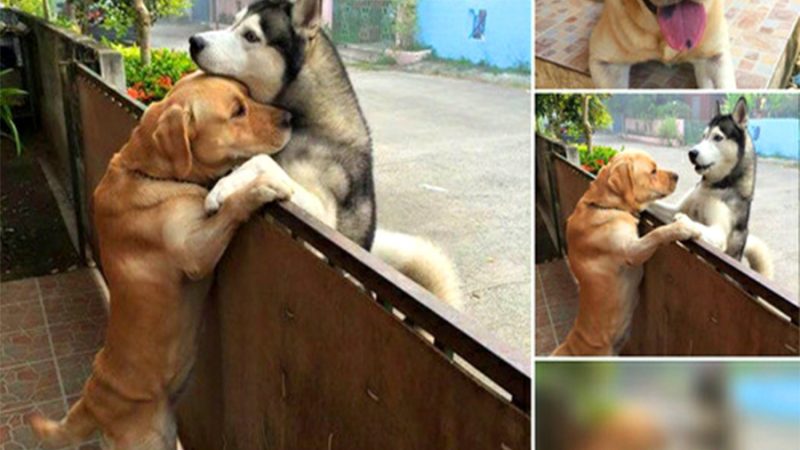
[{"x": 683, "y": 24}]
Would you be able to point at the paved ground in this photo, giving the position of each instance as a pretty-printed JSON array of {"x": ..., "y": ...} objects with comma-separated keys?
[
  {"x": 452, "y": 163},
  {"x": 774, "y": 215}
]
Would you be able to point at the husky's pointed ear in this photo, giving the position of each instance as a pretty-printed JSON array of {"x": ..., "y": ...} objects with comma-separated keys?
[
  {"x": 307, "y": 17},
  {"x": 172, "y": 140},
  {"x": 719, "y": 108},
  {"x": 740, "y": 112}
]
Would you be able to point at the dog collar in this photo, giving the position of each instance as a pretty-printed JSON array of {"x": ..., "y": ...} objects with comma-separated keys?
[
  {"x": 599, "y": 206},
  {"x": 653, "y": 8},
  {"x": 141, "y": 174}
]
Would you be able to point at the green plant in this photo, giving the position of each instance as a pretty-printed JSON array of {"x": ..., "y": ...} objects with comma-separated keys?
[
  {"x": 405, "y": 24},
  {"x": 669, "y": 129},
  {"x": 9, "y": 97},
  {"x": 35, "y": 7},
  {"x": 150, "y": 83},
  {"x": 120, "y": 15},
  {"x": 599, "y": 156}
]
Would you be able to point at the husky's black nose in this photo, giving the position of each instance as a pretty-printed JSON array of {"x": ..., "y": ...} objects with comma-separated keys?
[
  {"x": 196, "y": 45},
  {"x": 693, "y": 155}
]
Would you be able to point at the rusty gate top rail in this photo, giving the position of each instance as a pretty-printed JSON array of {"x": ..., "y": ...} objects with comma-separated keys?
[
  {"x": 452, "y": 330},
  {"x": 751, "y": 281}
]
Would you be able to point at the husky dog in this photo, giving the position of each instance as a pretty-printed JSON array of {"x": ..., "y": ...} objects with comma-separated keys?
[
  {"x": 670, "y": 31},
  {"x": 726, "y": 161},
  {"x": 278, "y": 49}
]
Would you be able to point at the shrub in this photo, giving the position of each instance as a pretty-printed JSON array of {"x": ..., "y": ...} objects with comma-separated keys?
[
  {"x": 152, "y": 82},
  {"x": 694, "y": 131},
  {"x": 595, "y": 160},
  {"x": 669, "y": 129}
]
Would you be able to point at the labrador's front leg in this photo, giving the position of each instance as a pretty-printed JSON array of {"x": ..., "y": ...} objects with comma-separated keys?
[
  {"x": 639, "y": 250},
  {"x": 198, "y": 240},
  {"x": 716, "y": 72},
  {"x": 606, "y": 75}
]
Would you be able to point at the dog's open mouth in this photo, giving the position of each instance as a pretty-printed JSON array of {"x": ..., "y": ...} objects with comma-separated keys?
[
  {"x": 702, "y": 168},
  {"x": 682, "y": 24}
]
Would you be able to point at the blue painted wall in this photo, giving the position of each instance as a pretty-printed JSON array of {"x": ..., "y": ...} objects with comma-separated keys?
[
  {"x": 776, "y": 137},
  {"x": 446, "y": 25}
]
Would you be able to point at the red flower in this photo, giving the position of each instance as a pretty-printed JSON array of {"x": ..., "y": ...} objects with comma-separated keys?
[
  {"x": 586, "y": 167},
  {"x": 133, "y": 93},
  {"x": 600, "y": 162},
  {"x": 165, "y": 81}
]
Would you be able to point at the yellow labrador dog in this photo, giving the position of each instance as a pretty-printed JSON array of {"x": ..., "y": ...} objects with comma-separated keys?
[
  {"x": 159, "y": 248},
  {"x": 606, "y": 253},
  {"x": 670, "y": 31}
]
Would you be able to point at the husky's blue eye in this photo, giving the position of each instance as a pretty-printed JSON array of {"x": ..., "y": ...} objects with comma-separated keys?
[
  {"x": 718, "y": 138},
  {"x": 249, "y": 36}
]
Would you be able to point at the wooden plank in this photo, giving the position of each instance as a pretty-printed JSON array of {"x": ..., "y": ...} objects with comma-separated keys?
[
  {"x": 688, "y": 309},
  {"x": 310, "y": 360},
  {"x": 106, "y": 124}
]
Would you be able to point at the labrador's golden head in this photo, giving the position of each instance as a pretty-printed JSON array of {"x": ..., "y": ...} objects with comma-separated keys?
[
  {"x": 206, "y": 125},
  {"x": 634, "y": 178}
]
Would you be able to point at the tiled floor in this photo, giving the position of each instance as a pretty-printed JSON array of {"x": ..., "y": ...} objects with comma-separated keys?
[
  {"x": 556, "y": 304},
  {"x": 50, "y": 329},
  {"x": 759, "y": 29}
]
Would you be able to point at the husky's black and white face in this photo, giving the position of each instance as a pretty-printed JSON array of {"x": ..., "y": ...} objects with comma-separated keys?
[
  {"x": 264, "y": 48},
  {"x": 723, "y": 146}
]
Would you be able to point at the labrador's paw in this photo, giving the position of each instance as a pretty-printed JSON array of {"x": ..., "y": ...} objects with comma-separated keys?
[
  {"x": 267, "y": 189},
  {"x": 262, "y": 168},
  {"x": 687, "y": 228}
]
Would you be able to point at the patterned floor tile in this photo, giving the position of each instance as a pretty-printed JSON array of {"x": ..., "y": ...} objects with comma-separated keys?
[
  {"x": 16, "y": 434},
  {"x": 74, "y": 307},
  {"x": 79, "y": 281},
  {"x": 18, "y": 291},
  {"x": 24, "y": 346},
  {"x": 24, "y": 385},
  {"x": 78, "y": 337},
  {"x": 75, "y": 370},
  {"x": 16, "y": 317}
]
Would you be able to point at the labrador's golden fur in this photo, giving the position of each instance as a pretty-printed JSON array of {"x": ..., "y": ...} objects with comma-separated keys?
[
  {"x": 158, "y": 249},
  {"x": 628, "y": 33},
  {"x": 606, "y": 253}
]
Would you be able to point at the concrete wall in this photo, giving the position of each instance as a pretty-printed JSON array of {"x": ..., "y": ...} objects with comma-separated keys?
[
  {"x": 447, "y": 26},
  {"x": 776, "y": 137}
]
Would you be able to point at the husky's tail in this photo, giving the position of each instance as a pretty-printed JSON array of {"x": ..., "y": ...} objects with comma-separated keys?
[
  {"x": 421, "y": 261},
  {"x": 73, "y": 429},
  {"x": 758, "y": 256}
]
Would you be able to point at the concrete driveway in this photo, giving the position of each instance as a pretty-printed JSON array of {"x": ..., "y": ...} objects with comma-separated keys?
[
  {"x": 452, "y": 164},
  {"x": 774, "y": 215}
]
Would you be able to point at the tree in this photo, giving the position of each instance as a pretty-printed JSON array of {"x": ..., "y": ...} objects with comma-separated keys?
[
  {"x": 576, "y": 115},
  {"x": 121, "y": 15},
  {"x": 143, "y": 26}
]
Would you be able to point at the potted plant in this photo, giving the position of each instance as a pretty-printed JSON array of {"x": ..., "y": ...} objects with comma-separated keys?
[{"x": 406, "y": 50}]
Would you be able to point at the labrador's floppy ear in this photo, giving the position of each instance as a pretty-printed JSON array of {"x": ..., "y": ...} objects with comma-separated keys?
[
  {"x": 306, "y": 17},
  {"x": 172, "y": 139},
  {"x": 620, "y": 179}
]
